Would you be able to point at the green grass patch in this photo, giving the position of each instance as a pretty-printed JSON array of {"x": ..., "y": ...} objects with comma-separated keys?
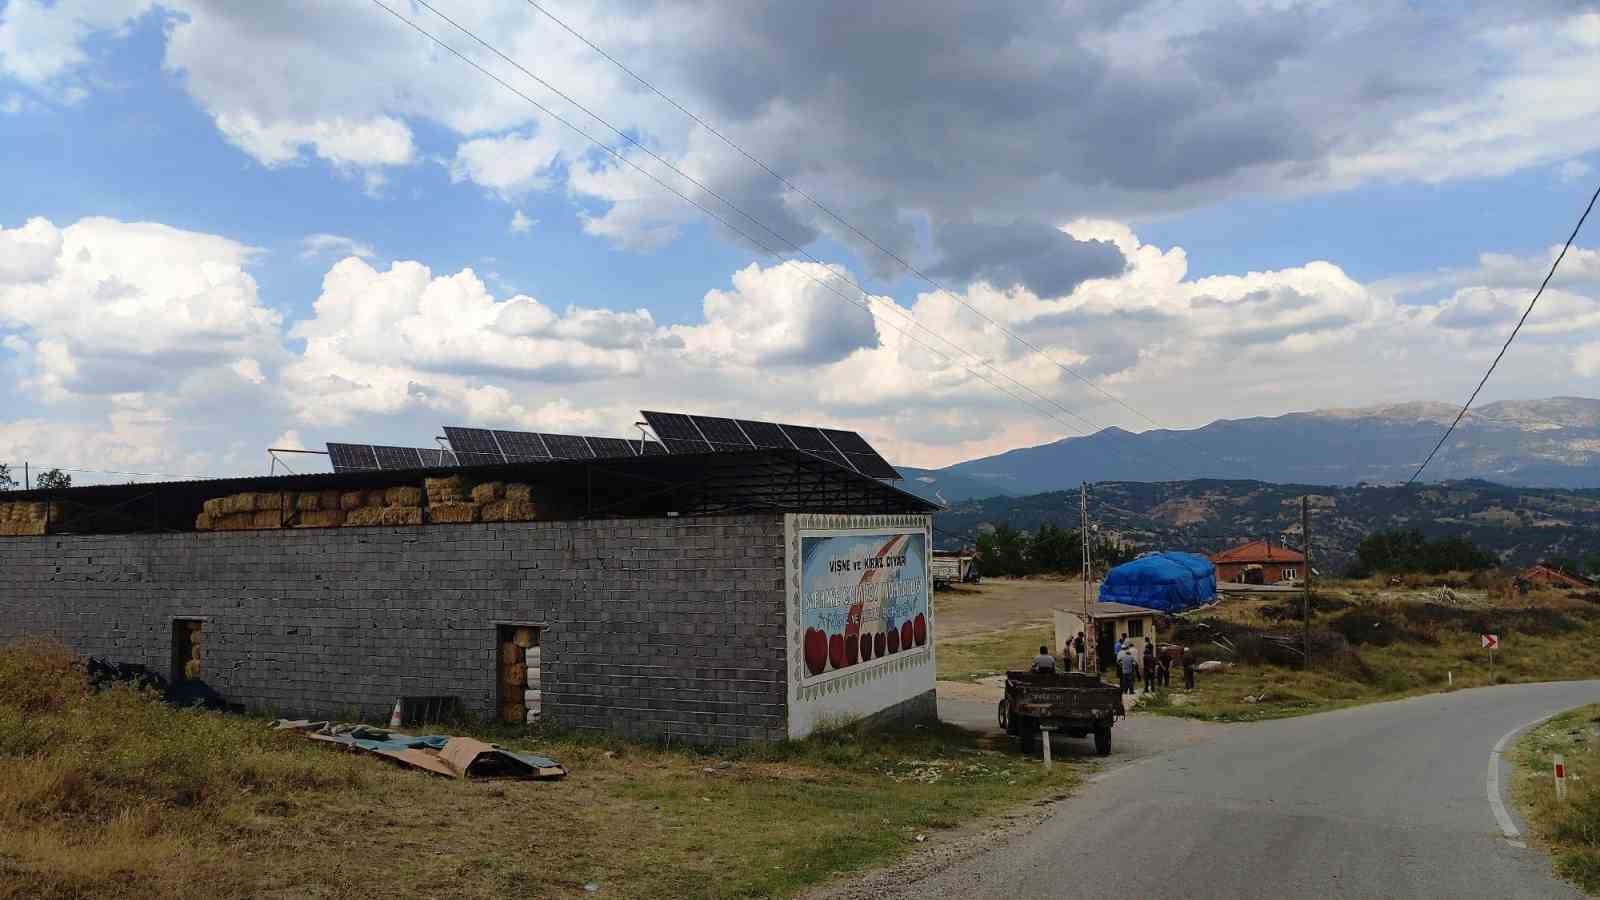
[
  {"x": 972, "y": 658},
  {"x": 116, "y": 795},
  {"x": 1570, "y": 829}
]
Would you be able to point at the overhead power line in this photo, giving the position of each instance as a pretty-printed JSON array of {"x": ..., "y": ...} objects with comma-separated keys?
[
  {"x": 792, "y": 245},
  {"x": 704, "y": 209},
  {"x": 1513, "y": 336},
  {"x": 905, "y": 264}
]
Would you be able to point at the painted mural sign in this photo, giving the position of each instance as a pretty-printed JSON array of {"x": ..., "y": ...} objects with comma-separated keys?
[{"x": 863, "y": 600}]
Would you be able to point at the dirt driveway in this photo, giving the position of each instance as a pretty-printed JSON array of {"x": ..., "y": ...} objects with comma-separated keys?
[{"x": 1001, "y": 604}]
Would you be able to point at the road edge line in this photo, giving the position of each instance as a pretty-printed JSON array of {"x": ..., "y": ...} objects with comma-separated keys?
[{"x": 1508, "y": 828}]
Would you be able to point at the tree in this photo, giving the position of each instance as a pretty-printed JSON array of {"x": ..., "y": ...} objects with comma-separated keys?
[
  {"x": 53, "y": 479},
  {"x": 6, "y": 481},
  {"x": 1406, "y": 551}
]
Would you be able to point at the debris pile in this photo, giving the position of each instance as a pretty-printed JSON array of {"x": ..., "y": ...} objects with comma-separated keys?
[
  {"x": 438, "y": 500},
  {"x": 453, "y": 757}
]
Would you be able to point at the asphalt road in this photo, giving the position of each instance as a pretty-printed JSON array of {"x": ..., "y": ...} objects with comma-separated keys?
[{"x": 1386, "y": 800}]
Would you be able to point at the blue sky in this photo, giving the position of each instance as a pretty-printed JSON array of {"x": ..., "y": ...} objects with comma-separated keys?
[{"x": 1356, "y": 202}]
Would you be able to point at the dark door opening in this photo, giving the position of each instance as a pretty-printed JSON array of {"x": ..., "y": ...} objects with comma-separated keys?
[{"x": 186, "y": 650}]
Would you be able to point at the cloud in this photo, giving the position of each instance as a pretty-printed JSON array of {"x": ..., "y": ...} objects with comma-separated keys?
[
  {"x": 781, "y": 316},
  {"x": 521, "y": 224},
  {"x": 1044, "y": 259},
  {"x": 317, "y": 245},
  {"x": 1573, "y": 170},
  {"x": 912, "y": 119}
]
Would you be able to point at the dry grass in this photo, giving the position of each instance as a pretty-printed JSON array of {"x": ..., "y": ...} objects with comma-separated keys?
[
  {"x": 115, "y": 795},
  {"x": 1570, "y": 830},
  {"x": 972, "y": 658},
  {"x": 1401, "y": 645}
]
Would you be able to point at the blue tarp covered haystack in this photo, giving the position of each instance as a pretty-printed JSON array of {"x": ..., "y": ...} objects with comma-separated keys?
[{"x": 1169, "y": 582}]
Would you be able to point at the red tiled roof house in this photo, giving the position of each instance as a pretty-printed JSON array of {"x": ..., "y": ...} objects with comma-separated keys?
[{"x": 1259, "y": 562}]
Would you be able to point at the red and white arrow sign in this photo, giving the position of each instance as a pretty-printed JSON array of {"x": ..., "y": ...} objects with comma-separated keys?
[{"x": 1491, "y": 642}]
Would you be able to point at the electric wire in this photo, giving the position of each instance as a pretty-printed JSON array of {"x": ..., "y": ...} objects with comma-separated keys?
[
  {"x": 793, "y": 245},
  {"x": 1513, "y": 336},
  {"x": 790, "y": 185},
  {"x": 700, "y": 206}
]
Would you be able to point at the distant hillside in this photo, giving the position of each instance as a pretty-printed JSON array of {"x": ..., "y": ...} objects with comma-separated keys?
[
  {"x": 1535, "y": 443},
  {"x": 1521, "y": 525},
  {"x": 945, "y": 487}
]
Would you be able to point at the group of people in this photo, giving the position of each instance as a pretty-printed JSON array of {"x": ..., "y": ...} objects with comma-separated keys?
[{"x": 1157, "y": 667}]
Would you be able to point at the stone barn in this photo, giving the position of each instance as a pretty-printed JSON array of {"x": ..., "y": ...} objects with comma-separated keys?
[{"x": 713, "y": 598}]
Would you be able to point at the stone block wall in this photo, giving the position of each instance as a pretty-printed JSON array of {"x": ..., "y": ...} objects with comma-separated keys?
[{"x": 649, "y": 627}]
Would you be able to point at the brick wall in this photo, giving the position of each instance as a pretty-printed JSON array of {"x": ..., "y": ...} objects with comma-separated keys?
[{"x": 651, "y": 626}]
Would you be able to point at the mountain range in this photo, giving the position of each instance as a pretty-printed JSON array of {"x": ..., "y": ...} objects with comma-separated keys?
[
  {"x": 1532, "y": 443},
  {"x": 1520, "y": 525}
]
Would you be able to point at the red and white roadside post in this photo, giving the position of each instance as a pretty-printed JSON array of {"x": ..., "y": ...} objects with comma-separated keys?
[
  {"x": 1561, "y": 778},
  {"x": 1491, "y": 643}
]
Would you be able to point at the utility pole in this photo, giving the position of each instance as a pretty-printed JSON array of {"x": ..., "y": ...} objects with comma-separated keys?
[
  {"x": 1089, "y": 645},
  {"x": 27, "y": 483},
  {"x": 1305, "y": 600}
]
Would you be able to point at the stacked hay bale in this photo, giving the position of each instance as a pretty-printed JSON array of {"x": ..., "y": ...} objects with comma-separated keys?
[
  {"x": 513, "y": 678},
  {"x": 439, "y": 500},
  {"x": 191, "y": 666},
  {"x": 17, "y": 519}
]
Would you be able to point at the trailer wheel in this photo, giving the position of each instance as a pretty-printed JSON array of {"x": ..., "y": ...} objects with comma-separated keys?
[
  {"x": 1005, "y": 715},
  {"x": 1102, "y": 740}
]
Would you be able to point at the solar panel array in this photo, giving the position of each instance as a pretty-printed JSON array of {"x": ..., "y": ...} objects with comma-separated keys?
[
  {"x": 683, "y": 433},
  {"x": 374, "y": 458},
  {"x": 482, "y": 446}
]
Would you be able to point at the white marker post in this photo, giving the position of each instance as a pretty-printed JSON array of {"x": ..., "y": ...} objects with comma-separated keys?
[
  {"x": 1561, "y": 778},
  {"x": 1044, "y": 738}
]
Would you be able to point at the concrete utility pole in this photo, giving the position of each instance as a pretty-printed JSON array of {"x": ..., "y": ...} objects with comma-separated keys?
[
  {"x": 1305, "y": 601},
  {"x": 1083, "y": 531}
]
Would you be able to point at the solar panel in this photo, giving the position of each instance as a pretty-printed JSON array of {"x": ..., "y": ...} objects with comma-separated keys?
[
  {"x": 567, "y": 446},
  {"x": 433, "y": 459},
  {"x": 651, "y": 448},
  {"x": 352, "y": 457},
  {"x": 873, "y": 465},
  {"x": 473, "y": 440},
  {"x": 807, "y": 438},
  {"x": 610, "y": 447},
  {"x": 522, "y": 446},
  {"x": 847, "y": 441},
  {"x": 677, "y": 432},
  {"x": 468, "y": 458},
  {"x": 834, "y": 457},
  {"x": 765, "y": 434},
  {"x": 398, "y": 457},
  {"x": 724, "y": 434}
]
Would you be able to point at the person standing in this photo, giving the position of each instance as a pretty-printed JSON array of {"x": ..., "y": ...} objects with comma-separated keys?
[
  {"x": 1078, "y": 648},
  {"x": 1149, "y": 666},
  {"x": 1188, "y": 670},
  {"x": 1163, "y": 669},
  {"x": 1066, "y": 656},
  {"x": 1128, "y": 665}
]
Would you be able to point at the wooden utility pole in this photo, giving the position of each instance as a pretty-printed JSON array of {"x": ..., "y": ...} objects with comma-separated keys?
[
  {"x": 1305, "y": 599},
  {"x": 1089, "y": 637}
]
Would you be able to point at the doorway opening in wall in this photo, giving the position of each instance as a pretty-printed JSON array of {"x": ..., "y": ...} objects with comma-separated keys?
[
  {"x": 521, "y": 678},
  {"x": 187, "y": 643}
]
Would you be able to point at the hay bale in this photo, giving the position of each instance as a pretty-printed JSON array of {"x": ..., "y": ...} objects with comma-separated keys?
[
  {"x": 489, "y": 491},
  {"x": 403, "y": 496},
  {"x": 533, "y": 716},
  {"x": 272, "y": 500},
  {"x": 519, "y": 492},
  {"x": 237, "y": 522},
  {"x": 508, "y": 653},
  {"x": 514, "y": 676},
  {"x": 215, "y": 507},
  {"x": 512, "y": 712},
  {"x": 202, "y": 522},
  {"x": 533, "y": 698},
  {"x": 402, "y": 515},
  {"x": 376, "y": 498},
  {"x": 352, "y": 500},
  {"x": 191, "y": 669},
  {"x": 534, "y": 680},
  {"x": 519, "y": 511},
  {"x": 329, "y": 499},
  {"x": 366, "y": 515},
  {"x": 322, "y": 518},
  {"x": 308, "y": 501},
  {"x": 266, "y": 518},
  {"x": 446, "y": 490},
  {"x": 523, "y": 637},
  {"x": 452, "y": 512}
]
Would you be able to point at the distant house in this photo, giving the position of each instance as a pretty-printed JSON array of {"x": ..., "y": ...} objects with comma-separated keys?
[
  {"x": 1545, "y": 575},
  {"x": 1259, "y": 562}
]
